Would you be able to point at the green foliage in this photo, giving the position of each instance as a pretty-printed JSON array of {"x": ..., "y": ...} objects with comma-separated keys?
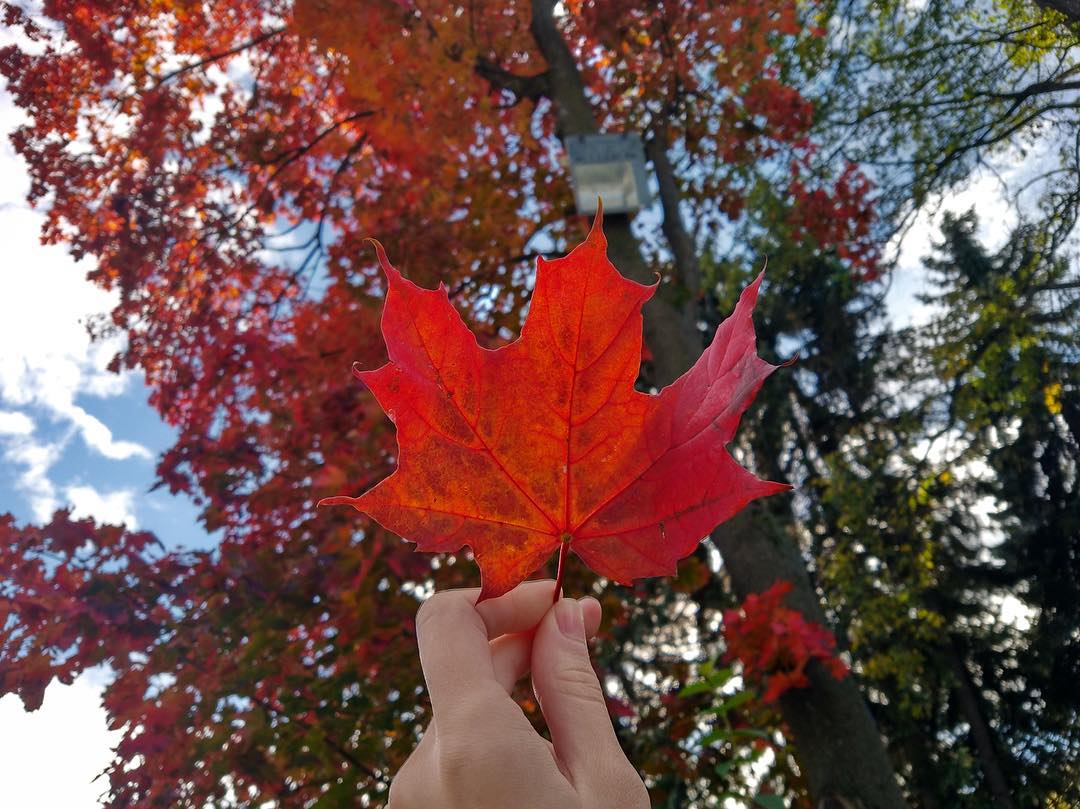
[
  {"x": 1007, "y": 351},
  {"x": 953, "y": 500},
  {"x": 923, "y": 92},
  {"x": 754, "y": 766}
]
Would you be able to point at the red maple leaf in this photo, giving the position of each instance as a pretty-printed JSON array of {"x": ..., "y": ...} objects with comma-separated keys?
[{"x": 544, "y": 444}]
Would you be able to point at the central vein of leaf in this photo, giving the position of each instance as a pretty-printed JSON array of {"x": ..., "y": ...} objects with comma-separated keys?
[{"x": 573, "y": 389}]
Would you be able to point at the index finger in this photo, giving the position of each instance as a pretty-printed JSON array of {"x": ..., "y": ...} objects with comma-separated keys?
[{"x": 452, "y": 632}]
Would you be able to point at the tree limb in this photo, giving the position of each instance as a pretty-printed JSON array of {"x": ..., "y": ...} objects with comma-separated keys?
[
  {"x": 679, "y": 239},
  {"x": 840, "y": 747},
  {"x": 216, "y": 57},
  {"x": 532, "y": 87}
]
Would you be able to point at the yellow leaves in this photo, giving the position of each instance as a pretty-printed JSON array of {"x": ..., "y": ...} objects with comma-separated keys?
[
  {"x": 140, "y": 59},
  {"x": 928, "y": 488},
  {"x": 931, "y": 619},
  {"x": 1052, "y": 398},
  {"x": 925, "y": 559},
  {"x": 922, "y": 495},
  {"x": 1056, "y": 800},
  {"x": 1042, "y": 32}
]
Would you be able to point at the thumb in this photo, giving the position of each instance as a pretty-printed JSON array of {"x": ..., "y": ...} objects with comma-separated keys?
[{"x": 570, "y": 695}]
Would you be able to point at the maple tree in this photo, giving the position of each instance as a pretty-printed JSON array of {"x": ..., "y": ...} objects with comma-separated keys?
[
  {"x": 544, "y": 444},
  {"x": 221, "y": 166}
]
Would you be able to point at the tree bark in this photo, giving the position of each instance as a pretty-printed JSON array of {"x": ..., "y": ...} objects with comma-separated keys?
[
  {"x": 683, "y": 249},
  {"x": 968, "y": 697},
  {"x": 839, "y": 748}
]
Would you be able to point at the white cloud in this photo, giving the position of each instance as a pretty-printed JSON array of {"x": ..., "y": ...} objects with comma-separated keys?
[
  {"x": 51, "y": 758},
  {"x": 47, "y": 360},
  {"x": 34, "y": 458},
  {"x": 114, "y": 508},
  {"x": 15, "y": 423},
  {"x": 100, "y": 438},
  {"x": 987, "y": 194},
  {"x": 1009, "y": 183}
]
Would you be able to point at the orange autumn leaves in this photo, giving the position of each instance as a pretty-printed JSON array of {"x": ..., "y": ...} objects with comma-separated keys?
[{"x": 517, "y": 450}]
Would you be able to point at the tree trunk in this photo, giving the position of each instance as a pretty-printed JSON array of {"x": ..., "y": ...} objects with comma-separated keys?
[
  {"x": 837, "y": 742},
  {"x": 968, "y": 697}
]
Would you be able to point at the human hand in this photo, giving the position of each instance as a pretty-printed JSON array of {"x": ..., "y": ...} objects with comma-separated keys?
[{"x": 480, "y": 751}]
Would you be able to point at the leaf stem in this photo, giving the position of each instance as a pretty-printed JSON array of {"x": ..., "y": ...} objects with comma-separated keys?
[{"x": 564, "y": 551}]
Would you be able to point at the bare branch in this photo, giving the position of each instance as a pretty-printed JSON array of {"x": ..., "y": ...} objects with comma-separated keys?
[{"x": 216, "y": 57}]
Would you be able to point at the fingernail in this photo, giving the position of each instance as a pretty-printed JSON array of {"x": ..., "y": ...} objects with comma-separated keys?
[{"x": 569, "y": 618}]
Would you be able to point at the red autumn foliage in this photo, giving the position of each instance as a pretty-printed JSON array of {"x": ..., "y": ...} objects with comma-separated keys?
[
  {"x": 90, "y": 591},
  {"x": 839, "y": 217},
  {"x": 221, "y": 165},
  {"x": 775, "y": 643},
  {"x": 545, "y": 442}
]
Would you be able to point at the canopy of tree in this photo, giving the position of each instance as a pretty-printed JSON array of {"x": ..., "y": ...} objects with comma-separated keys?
[{"x": 222, "y": 163}]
